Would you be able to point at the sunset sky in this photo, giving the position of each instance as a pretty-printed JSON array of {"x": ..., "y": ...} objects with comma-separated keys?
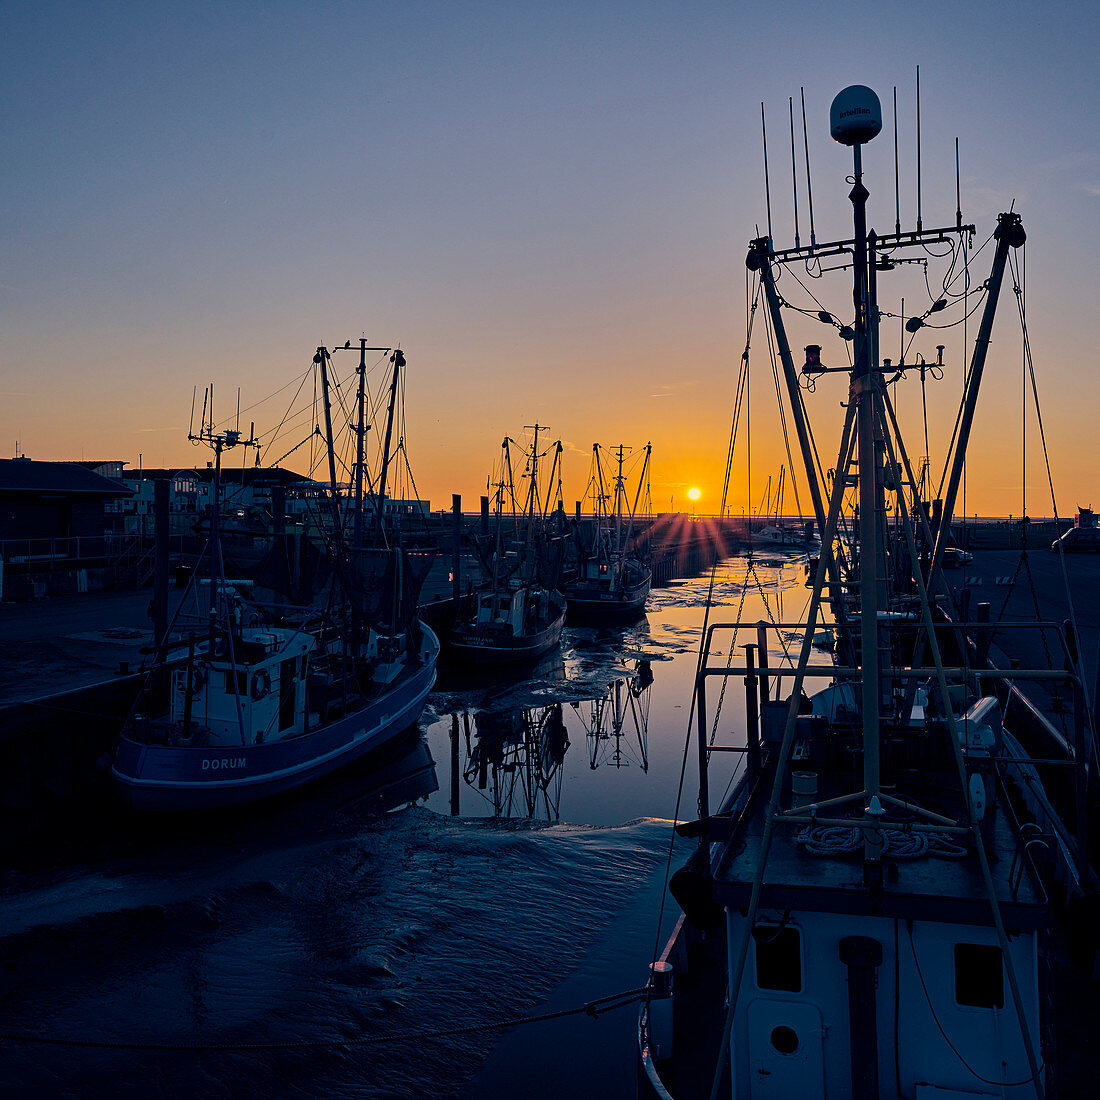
[{"x": 547, "y": 206}]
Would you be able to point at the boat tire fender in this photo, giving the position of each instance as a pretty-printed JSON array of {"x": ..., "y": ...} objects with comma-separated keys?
[{"x": 261, "y": 683}]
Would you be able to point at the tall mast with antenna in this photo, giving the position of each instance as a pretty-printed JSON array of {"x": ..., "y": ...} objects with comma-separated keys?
[
  {"x": 855, "y": 118},
  {"x": 359, "y": 441}
]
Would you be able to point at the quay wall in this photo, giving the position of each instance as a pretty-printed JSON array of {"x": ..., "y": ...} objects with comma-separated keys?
[{"x": 57, "y": 750}]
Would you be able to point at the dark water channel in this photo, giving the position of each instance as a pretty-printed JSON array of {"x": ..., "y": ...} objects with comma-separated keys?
[{"x": 350, "y": 938}]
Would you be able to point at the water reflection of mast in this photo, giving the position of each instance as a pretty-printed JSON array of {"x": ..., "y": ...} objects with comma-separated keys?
[
  {"x": 626, "y": 697},
  {"x": 516, "y": 760}
]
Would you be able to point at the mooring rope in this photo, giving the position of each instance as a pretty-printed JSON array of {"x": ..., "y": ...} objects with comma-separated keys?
[{"x": 589, "y": 1008}]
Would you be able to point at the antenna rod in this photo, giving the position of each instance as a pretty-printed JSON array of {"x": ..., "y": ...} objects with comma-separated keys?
[
  {"x": 191, "y": 423},
  {"x": 897, "y": 184},
  {"x": 238, "y": 408},
  {"x": 767, "y": 186},
  {"x": 958, "y": 192},
  {"x": 919, "y": 222},
  {"x": 794, "y": 171},
  {"x": 809, "y": 186}
]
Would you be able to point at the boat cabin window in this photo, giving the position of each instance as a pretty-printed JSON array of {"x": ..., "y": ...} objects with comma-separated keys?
[
  {"x": 979, "y": 975},
  {"x": 241, "y": 680},
  {"x": 603, "y": 568},
  {"x": 778, "y": 957},
  {"x": 505, "y": 603}
]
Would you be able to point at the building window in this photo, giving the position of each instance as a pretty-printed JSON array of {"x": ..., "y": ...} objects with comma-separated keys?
[
  {"x": 778, "y": 957},
  {"x": 979, "y": 975}
]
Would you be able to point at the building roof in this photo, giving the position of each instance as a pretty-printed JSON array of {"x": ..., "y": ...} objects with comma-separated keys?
[
  {"x": 253, "y": 475},
  {"x": 23, "y": 475}
]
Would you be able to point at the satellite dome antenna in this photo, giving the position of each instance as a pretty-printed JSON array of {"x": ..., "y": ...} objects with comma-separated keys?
[{"x": 855, "y": 116}]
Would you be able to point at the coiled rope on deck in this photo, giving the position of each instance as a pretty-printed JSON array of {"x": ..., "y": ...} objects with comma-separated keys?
[{"x": 832, "y": 841}]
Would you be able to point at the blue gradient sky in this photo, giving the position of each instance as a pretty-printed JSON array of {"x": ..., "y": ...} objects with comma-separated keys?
[{"x": 546, "y": 205}]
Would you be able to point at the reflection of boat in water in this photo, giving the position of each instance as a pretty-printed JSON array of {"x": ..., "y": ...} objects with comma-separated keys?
[
  {"x": 514, "y": 759},
  {"x": 868, "y": 911},
  {"x": 611, "y": 583},
  {"x": 399, "y": 773},
  {"x": 517, "y": 616},
  {"x": 616, "y": 724},
  {"x": 263, "y": 702}
]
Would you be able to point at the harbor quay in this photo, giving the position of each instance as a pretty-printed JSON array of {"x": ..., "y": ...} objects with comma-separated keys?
[{"x": 70, "y": 662}]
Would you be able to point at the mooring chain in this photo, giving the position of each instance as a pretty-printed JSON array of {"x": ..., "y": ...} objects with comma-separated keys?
[{"x": 733, "y": 646}]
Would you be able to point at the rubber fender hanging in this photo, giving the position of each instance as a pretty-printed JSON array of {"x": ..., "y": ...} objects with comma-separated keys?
[
  {"x": 692, "y": 887},
  {"x": 198, "y": 678},
  {"x": 261, "y": 683}
]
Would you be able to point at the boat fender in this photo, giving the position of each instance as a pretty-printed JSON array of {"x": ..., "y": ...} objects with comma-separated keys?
[
  {"x": 221, "y": 647},
  {"x": 692, "y": 887},
  {"x": 261, "y": 683},
  {"x": 198, "y": 678}
]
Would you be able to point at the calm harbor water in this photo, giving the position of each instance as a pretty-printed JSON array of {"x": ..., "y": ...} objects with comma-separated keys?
[{"x": 328, "y": 921}]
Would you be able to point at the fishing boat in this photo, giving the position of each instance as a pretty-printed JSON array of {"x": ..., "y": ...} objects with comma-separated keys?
[
  {"x": 610, "y": 584},
  {"x": 775, "y": 534},
  {"x": 263, "y": 699},
  {"x": 868, "y": 912},
  {"x": 517, "y": 615}
]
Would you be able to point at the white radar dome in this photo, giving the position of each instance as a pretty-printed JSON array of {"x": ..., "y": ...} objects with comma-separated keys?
[{"x": 855, "y": 116}]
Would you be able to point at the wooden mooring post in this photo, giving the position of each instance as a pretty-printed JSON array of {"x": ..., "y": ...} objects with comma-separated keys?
[{"x": 456, "y": 554}]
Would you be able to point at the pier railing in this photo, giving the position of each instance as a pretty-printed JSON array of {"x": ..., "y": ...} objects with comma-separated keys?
[{"x": 65, "y": 553}]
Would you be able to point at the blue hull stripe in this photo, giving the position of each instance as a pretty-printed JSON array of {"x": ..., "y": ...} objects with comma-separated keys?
[{"x": 177, "y": 778}]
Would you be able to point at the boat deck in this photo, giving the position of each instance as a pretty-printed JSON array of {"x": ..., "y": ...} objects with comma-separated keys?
[{"x": 928, "y": 887}]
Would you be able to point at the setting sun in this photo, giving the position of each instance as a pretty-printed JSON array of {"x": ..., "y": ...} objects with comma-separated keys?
[{"x": 694, "y": 494}]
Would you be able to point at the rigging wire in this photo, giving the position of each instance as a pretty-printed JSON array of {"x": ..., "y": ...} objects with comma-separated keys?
[
  {"x": 739, "y": 389},
  {"x": 1026, "y": 341}
]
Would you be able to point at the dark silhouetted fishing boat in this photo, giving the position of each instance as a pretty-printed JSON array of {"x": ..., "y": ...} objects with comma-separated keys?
[
  {"x": 868, "y": 912},
  {"x": 610, "y": 583},
  {"x": 517, "y": 615},
  {"x": 264, "y": 699}
]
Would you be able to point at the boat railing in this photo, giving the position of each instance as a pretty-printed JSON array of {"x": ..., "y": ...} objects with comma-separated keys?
[{"x": 762, "y": 684}]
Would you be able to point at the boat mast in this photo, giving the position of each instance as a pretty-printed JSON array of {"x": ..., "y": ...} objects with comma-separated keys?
[
  {"x": 866, "y": 385},
  {"x": 398, "y": 361},
  {"x": 322, "y": 358},
  {"x": 499, "y": 524},
  {"x": 555, "y": 468},
  {"x": 359, "y": 441},
  {"x": 619, "y": 494},
  {"x": 638, "y": 493},
  {"x": 532, "y": 502},
  {"x": 223, "y": 441},
  {"x": 601, "y": 500}
]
